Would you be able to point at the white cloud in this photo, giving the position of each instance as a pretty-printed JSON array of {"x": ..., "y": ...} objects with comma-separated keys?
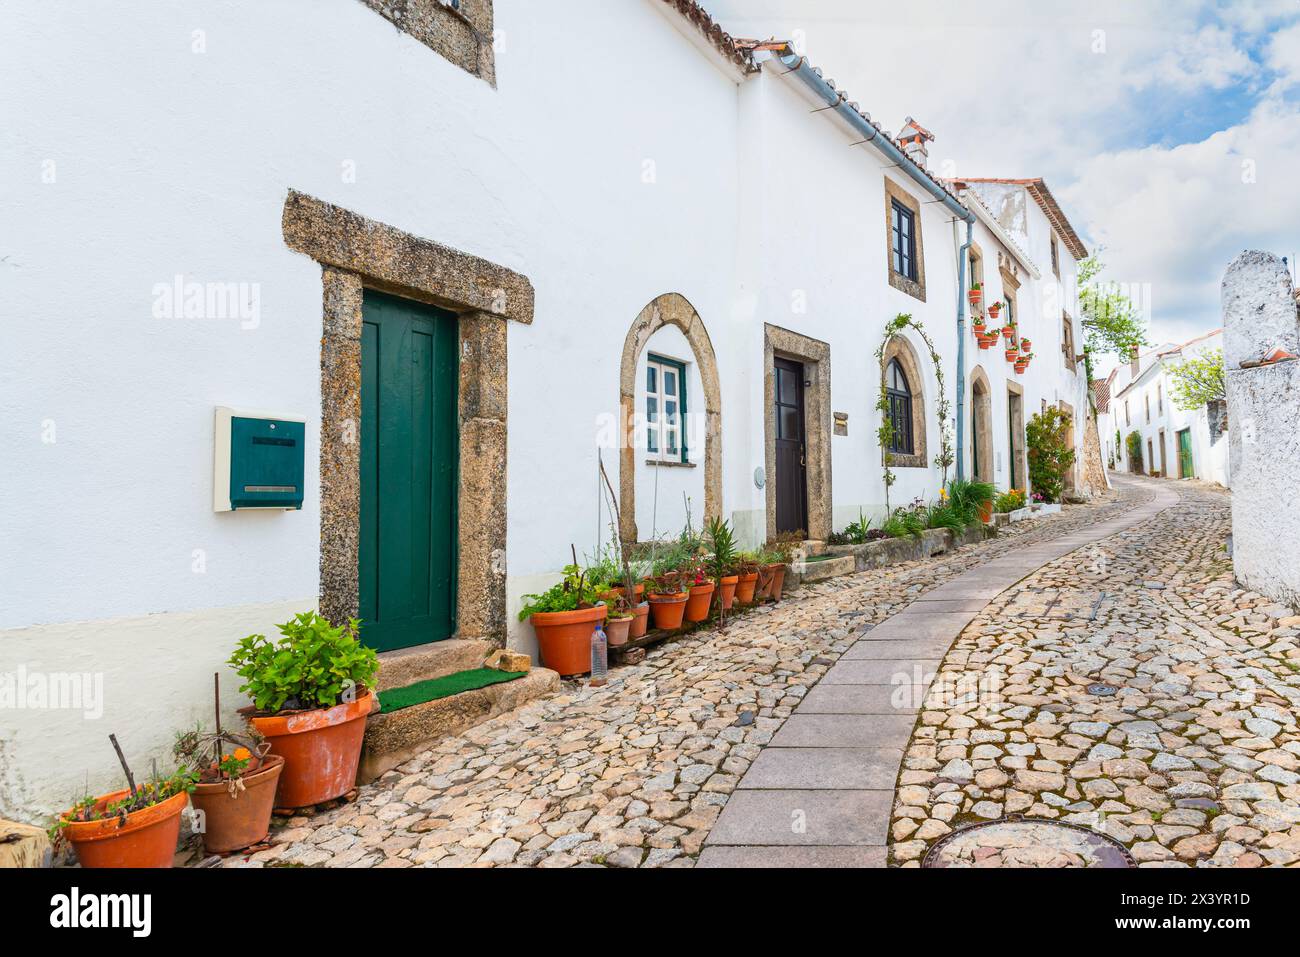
[{"x": 1283, "y": 57}]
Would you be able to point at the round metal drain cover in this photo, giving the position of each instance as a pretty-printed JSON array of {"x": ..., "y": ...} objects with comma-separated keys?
[
  {"x": 1027, "y": 842},
  {"x": 1102, "y": 690}
]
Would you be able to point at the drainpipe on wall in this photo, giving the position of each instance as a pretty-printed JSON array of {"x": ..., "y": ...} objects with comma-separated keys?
[
  {"x": 962, "y": 259},
  {"x": 798, "y": 66}
]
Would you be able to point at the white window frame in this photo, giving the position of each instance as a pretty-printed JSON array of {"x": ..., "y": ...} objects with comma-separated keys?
[{"x": 655, "y": 425}]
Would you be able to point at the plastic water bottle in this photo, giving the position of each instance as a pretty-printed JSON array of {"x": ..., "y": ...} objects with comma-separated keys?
[{"x": 599, "y": 658}]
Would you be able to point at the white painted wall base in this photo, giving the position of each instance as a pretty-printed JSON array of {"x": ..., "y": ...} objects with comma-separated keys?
[{"x": 155, "y": 676}]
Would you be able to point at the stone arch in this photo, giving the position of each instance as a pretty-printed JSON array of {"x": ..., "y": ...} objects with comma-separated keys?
[
  {"x": 901, "y": 349},
  {"x": 981, "y": 425},
  {"x": 675, "y": 310}
]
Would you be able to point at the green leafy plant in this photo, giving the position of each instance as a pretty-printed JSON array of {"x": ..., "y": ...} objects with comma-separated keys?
[
  {"x": 311, "y": 666},
  {"x": 574, "y": 591},
  {"x": 1198, "y": 381},
  {"x": 1010, "y": 501},
  {"x": 908, "y": 522},
  {"x": 1134, "y": 443},
  {"x": 1050, "y": 452},
  {"x": 970, "y": 498},
  {"x": 721, "y": 543}
]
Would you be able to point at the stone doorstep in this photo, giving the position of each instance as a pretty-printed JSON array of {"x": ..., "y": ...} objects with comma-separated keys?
[
  {"x": 23, "y": 845},
  {"x": 828, "y": 568},
  {"x": 435, "y": 660},
  {"x": 393, "y": 739}
]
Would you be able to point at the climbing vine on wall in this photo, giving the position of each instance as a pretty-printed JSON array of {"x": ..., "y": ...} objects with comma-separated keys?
[{"x": 885, "y": 434}]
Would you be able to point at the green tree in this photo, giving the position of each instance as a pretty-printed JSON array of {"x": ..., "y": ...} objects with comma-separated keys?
[
  {"x": 1111, "y": 322},
  {"x": 1050, "y": 452},
  {"x": 1198, "y": 381}
]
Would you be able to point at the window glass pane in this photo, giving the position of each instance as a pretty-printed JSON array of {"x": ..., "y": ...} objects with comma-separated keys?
[
  {"x": 652, "y": 438},
  {"x": 670, "y": 381},
  {"x": 670, "y": 411},
  {"x": 651, "y": 385},
  {"x": 787, "y": 422},
  {"x": 787, "y": 387},
  {"x": 652, "y": 409},
  {"x": 670, "y": 442}
]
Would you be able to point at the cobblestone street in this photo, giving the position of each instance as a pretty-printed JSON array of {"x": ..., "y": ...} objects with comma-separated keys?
[{"x": 1194, "y": 758}]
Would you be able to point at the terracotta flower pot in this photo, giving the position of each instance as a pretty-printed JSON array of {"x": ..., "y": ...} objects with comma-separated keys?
[
  {"x": 1008, "y": 333},
  {"x": 1013, "y": 355},
  {"x": 697, "y": 605},
  {"x": 975, "y": 297},
  {"x": 993, "y": 311},
  {"x": 564, "y": 638},
  {"x": 745, "y": 588},
  {"x": 619, "y": 590},
  {"x": 147, "y": 838},
  {"x": 778, "y": 582},
  {"x": 640, "y": 621},
  {"x": 232, "y": 822},
  {"x": 727, "y": 591},
  {"x": 321, "y": 750},
  {"x": 668, "y": 610},
  {"x": 1025, "y": 345},
  {"x": 617, "y": 630},
  {"x": 986, "y": 511}
]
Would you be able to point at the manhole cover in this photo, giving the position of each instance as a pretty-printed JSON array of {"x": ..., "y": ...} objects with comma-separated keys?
[
  {"x": 1027, "y": 842},
  {"x": 1102, "y": 690}
]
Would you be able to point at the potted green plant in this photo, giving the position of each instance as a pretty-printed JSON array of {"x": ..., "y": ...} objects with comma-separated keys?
[
  {"x": 235, "y": 791},
  {"x": 564, "y": 618},
  {"x": 722, "y": 561},
  {"x": 1012, "y": 352},
  {"x": 1009, "y": 333},
  {"x": 975, "y": 295},
  {"x": 747, "y": 582},
  {"x": 134, "y": 828},
  {"x": 618, "y": 621},
  {"x": 699, "y": 591},
  {"x": 312, "y": 692},
  {"x": 1025, "y": 345}
]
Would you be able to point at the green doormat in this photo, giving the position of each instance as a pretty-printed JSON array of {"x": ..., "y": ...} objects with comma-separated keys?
[{"x": 444, "y": 687}]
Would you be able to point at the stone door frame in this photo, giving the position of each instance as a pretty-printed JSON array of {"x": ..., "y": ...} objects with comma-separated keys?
[
  {"x": 981, "y": 403},
  {"x": 815, "y": 356},
  {"x": 356, "y": 254}
]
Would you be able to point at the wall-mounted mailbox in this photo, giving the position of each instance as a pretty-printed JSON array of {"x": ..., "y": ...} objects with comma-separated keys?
[{"x": 259, "y": 461}]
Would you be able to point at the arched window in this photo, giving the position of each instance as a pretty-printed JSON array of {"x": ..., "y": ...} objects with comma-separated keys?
[{"x": 899, "y": 393}]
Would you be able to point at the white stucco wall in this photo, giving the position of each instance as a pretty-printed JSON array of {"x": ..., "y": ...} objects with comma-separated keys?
[{"x": 608, "y": 177}]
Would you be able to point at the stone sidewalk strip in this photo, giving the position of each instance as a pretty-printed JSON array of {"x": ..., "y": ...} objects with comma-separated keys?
[{"x": 827, "y": 779}]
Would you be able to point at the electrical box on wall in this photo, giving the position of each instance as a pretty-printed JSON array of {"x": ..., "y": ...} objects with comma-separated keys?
[{"x": 259, "y": 461}]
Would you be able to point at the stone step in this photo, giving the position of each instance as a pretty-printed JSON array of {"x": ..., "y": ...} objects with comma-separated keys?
[
  {"x": 827, "y": 568},
  {"x": 426, "y": 662},
  {"x": 23, "y": 845},
  {"x": 812, "y": 548},
  {"x": 393, "y": 739}
]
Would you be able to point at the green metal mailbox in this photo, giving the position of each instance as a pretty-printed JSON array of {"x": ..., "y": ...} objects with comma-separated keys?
[{"x": 259, "y": 461}]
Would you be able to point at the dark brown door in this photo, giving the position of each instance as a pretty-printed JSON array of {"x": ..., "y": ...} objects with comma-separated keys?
[{"x": 791, "y": 451}]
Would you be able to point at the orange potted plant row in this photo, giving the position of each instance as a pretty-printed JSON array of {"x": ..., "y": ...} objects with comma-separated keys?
[
  {"x": 564, "y": 619},
  {"x": 311, "y": 694},
  {"x": 134, "y": 828}
]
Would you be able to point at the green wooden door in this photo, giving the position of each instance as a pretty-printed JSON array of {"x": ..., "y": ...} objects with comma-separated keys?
[
  {"x": 1185, "y": 454},
  {"x": 409, "y": 444}
]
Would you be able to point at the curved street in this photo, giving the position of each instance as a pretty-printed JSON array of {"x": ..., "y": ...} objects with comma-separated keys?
[{"x": 861, "y": 721}]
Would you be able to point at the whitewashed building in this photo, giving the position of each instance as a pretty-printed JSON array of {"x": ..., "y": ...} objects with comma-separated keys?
[
  {"x": 509, "y": 235},
  {"x": 1174, "y": 442}
]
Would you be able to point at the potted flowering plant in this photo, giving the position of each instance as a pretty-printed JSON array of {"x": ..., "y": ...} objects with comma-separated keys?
[
  {"x": 1009, "y": 332},
  {"x": 1012, "y": 352},
  {"x": 994, "y": 309},
  {"x": 137, "y": 827},
  {"x": 975, "y": 295},
  {"x": 235, "y": 792},
  {"x": 312, "y": 691},
  {"x": 1025, "y": 345},
  {"x": 699, "y": 591}
]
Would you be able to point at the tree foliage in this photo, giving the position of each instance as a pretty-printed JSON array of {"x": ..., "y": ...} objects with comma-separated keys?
[
  {"x": 1198, "y": 380},
  {"x": 1111, "y": 322},
  {"x": 1050, "y": 452}
]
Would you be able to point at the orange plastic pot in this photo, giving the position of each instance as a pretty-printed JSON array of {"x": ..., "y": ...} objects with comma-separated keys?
[
  {"x": 321, "y": 750},
  {"x": 640, "y": 621},
  {"x": 727, "y": 591},
  {"x": 234, "y": 821},
  {"x": 146, "y": 839},
  {"x": 668, "y": 610},
  {"x": 697, "y": 605},
  {"x": 564, "y": 638},
  {"x": 745, "y": 588},
  {"x": 617, "y": 631}
]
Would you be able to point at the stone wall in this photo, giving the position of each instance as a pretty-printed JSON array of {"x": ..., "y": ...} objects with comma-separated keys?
[{"x": 1259, "y": 318}]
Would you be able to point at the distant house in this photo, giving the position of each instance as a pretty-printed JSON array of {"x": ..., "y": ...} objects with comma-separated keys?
[{"x": 1173, "y": 442}]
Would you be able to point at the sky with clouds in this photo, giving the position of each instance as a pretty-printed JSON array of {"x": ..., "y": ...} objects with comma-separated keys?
[{"x": 1168, "y": 129}]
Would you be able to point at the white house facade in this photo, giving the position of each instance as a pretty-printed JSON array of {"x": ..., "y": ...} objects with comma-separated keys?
[
  {"x": 549, "y": 248},
  {"x": 1174, "y": 442}
]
